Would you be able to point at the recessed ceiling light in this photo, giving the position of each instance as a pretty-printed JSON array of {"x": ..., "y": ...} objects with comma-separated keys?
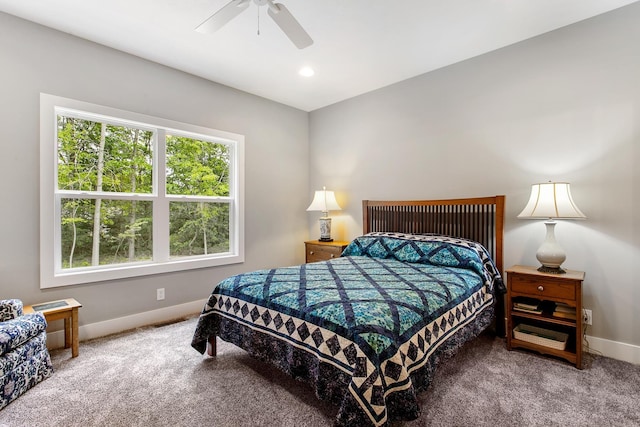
[{"x": 306, "y": 71}]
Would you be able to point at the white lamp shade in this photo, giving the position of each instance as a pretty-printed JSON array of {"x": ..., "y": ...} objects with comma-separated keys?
[
  {"x": 324, "y": 201},
  {"x": 551, "y": 200}
]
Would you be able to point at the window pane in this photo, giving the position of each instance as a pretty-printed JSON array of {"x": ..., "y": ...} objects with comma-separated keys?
[
  {"x": 196, "y": 167},
  {"x": 96, "y": 156},
  {"x": 124, "y": 234},
  {"x": 198, "y": 228}
]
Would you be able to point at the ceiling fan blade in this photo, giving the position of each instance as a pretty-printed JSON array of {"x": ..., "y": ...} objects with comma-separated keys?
[
  {"x": 222, "y": 16},
  {"x": 288, "y": 24}
]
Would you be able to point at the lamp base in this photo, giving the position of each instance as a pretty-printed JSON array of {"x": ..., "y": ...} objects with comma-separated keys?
[
  {"x": 551, "y": 270},
  {"x": 325, "y": 229},
  {"x": 550, "y": 254}
]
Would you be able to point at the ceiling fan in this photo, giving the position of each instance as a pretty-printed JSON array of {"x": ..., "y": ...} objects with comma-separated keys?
[{"x": 277, "y": 11}]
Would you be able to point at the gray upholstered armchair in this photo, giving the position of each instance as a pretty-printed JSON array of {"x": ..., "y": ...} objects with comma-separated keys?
[{"x": 24, "y": 358}]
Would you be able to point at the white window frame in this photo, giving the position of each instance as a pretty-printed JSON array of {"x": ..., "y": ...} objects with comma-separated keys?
[{"x": 51, "y": 272}]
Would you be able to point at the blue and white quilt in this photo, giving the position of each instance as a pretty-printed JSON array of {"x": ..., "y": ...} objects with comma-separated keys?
[{"x": 366, "y": 329}]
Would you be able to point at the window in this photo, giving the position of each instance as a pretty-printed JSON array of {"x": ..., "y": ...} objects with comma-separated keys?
[{"x": 123, "y": 194}]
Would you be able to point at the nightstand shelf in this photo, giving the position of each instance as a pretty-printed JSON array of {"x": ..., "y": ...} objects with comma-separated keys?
[
  {"x": 316, "y": 250},
  {"x": 550, "y": 289},
  {"x": 545, "y": 317}
]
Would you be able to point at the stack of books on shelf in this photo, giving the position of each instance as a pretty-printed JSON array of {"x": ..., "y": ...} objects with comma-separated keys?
[
  {"x": 527, "y": 305},
  {"x": 565, "y": 311}
]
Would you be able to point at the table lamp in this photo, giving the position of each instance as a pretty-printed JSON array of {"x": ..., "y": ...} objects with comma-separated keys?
[
  {"x": 550, "y": 201},
  {"x": 324, "y": 201}
]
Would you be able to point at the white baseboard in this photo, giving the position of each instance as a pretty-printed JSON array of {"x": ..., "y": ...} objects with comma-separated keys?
[
  {"x": 613, "y": 349},
  {"x": 55, "y": 339}
]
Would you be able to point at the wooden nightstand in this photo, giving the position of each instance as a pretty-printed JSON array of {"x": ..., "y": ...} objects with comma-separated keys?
[
  {"x": 528, "y": 283},
  {"x": 323, "y": 251}
]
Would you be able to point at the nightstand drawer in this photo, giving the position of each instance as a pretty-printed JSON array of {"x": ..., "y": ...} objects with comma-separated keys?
[
  {"x": 543, "y": 289},
  {"x": 322, "y": 253}
]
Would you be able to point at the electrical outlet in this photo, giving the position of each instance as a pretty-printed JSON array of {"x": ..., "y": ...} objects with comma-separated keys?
[
  {"x": 160, "y": 294},
  {"x": 586, "y": 316}
]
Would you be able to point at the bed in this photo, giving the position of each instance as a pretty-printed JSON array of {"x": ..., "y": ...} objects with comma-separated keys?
[{"x": 367, "y": 330}]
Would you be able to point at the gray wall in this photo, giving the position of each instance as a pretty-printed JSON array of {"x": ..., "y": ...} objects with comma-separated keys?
[
  {"x": 35, "y": 59},
  {"x": 562, "y": 106}
]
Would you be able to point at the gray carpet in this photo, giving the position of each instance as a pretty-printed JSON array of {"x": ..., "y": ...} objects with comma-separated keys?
[{"x": 152, "y": 377}]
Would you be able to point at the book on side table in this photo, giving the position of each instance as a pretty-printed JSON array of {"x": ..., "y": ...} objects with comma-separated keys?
[{"x": 565, "y": 311}]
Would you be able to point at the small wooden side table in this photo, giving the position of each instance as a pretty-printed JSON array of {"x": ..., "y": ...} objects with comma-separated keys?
[{"x": 66, "y": 309}]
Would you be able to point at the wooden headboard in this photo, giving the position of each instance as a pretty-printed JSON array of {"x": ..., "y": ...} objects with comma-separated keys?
[{"x": 480, "y": 219}]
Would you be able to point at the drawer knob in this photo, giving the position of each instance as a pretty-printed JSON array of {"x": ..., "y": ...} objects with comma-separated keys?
[
  {"x": 541, "y": 288},
  {"x": 332, "y": 255},
  {"x": 310, "y": 252}
]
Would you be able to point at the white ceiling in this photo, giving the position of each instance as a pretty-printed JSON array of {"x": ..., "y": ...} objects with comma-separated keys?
[{"x": 359, "y": 45}]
